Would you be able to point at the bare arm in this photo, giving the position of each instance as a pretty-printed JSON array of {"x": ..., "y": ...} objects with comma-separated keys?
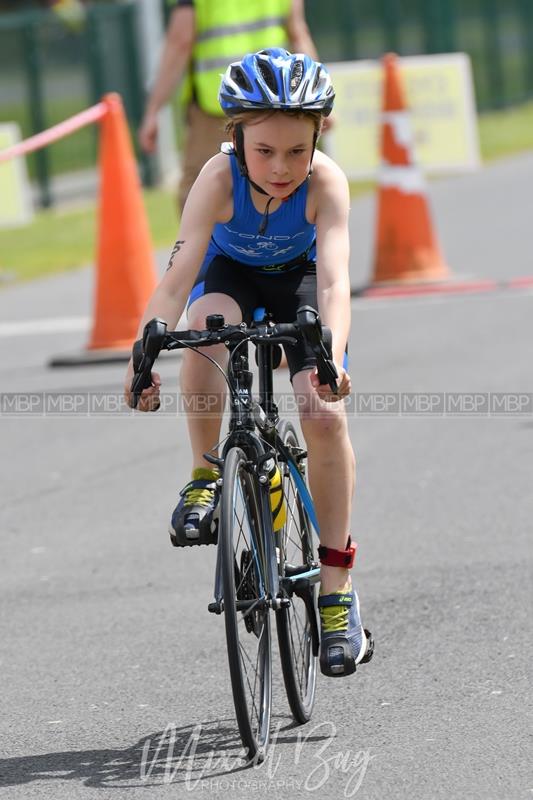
[
  {"x": 300, "y": 40},
  {"x": 177, "y": 49},
  {"x": 202, "y": 210},
  {"x": 206, "y": 199},
  {"x": 333, "y": 253}
]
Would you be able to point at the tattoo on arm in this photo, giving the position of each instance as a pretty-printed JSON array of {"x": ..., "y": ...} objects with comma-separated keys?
[{"x": 175, "y": 249}]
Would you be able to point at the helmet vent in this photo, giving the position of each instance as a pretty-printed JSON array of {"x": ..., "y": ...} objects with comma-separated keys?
[
  {"x": 238, "y": 75},
  {"x": 296, "y": 75},
  {"x": 318, "y": 79},
  {"x": 267, "y": 75}
]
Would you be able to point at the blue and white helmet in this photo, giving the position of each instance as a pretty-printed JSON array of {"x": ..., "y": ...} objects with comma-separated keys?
[{"x": 276, "y": 79}]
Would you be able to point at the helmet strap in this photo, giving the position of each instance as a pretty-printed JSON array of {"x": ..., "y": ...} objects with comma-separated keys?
[{"x": 238, "y": 146}]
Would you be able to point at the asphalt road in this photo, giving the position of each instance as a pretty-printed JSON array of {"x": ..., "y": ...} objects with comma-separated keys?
[{"x": 107, "y": 649}]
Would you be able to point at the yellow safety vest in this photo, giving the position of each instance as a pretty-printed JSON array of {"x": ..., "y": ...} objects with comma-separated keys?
[{"x": 225, "y": 31}]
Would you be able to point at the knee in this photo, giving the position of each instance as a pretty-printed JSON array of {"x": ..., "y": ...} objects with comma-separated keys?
[
  {"x": 195, "y": 320},
  {"x": 326, "y": 424},
  {"x": 213, "y": 303},
  {"x": 197, "y": 375}
]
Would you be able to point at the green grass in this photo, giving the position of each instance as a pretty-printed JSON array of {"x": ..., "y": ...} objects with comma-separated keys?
[
  {"x": 60, "y": 240},
  {"x": 506, "y": 132},
  {"x": 53, "y": 242}
]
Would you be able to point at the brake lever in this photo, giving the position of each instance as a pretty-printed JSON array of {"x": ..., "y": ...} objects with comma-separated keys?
[
  {"x": 152, "y": 342},
  {"x": 319, "y": 339},
  {"x": 327, "y": 371}
]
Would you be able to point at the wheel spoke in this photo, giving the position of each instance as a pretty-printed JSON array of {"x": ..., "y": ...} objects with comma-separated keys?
[
  {"x": 298, "y": 649},
  {"x": 247, "y": 630},
  {"x": 294, "y": 630},
  {"x": 256, "y": 670}
]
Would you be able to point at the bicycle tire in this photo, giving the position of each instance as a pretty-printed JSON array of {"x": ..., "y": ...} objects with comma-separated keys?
[
  {"x": 295, "y": 546},
  {"x": 247, "y": 632}
]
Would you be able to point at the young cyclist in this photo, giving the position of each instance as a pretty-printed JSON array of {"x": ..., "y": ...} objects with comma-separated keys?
[{"x": 266, "y": 224}]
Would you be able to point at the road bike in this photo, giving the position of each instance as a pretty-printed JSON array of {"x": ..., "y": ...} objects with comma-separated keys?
[{"x": 259, "y": 570}]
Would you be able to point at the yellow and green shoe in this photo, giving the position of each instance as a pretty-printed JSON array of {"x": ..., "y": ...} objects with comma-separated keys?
[
  {"x": 193, "y": 519},
  {"x": 344, "y": 643}
]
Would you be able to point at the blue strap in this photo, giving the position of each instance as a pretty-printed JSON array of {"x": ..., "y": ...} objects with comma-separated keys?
[{"x": 341, "y": 599}]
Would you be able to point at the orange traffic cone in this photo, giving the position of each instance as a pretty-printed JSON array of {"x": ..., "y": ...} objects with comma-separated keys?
[
  {"x": 406, "y": 246},
  {"x": 125, "y": 269},
  {"x": 126, "y": 274}
]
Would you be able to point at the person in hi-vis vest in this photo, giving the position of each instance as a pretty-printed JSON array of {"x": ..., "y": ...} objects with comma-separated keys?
[{"x": 203, "y": 37}]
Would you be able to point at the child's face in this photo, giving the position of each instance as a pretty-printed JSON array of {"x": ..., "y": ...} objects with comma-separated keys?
[{"x": 278, "y": 152}]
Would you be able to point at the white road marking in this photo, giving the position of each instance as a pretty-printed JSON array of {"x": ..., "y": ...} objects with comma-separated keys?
[{"x": 29, "y": 327}]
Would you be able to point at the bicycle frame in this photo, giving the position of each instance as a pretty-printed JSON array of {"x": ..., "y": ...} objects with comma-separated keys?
[{"x": 245, "y": 417}]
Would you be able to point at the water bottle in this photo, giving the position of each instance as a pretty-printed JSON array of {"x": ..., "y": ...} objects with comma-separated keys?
[{"x": 277, "y": 500}]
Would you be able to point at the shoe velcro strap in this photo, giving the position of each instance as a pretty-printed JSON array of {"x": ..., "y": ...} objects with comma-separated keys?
[
  {"x": 338, "y": 558},
  {"x": 340, "y": 599},
  {"x": 199, "y": 483}
]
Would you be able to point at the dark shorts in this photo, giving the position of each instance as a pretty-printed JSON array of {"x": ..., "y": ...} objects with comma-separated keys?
[{"x": 280, "y": 294}]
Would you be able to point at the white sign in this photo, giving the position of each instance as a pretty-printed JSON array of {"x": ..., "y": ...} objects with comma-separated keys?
[
  {"x": 439, "y": 92},
  {"x": 15, "y": 200}
]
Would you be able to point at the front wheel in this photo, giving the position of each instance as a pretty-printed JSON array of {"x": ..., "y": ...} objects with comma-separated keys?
[
  {"x": 246, "y": 612},
  {"x": 295, "y": 623}
]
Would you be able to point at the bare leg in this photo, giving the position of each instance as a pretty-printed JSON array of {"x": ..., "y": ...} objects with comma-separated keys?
[
  {"x": 331, "y": 474},
  {"x": 203, "y": 388}
]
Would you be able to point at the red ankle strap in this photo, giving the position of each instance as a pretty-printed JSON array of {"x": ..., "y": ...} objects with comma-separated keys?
[{"x": 338, "y": 558}]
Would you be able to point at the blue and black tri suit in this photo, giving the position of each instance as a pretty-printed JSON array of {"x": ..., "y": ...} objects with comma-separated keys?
[{"x": 275, "y": 270}]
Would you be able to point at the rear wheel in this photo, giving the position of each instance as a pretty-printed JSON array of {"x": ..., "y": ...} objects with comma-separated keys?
[
  {"x": 294, "y": 623},
  {"x": 246, "y": 613}
]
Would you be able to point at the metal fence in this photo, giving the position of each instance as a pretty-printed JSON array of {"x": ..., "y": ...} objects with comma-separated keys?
[
  {"x": 50, "y": 69},
  {"x": 497, "y": 36}
]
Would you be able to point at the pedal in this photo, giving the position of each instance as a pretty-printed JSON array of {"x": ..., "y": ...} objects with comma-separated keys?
[
  {"x": 336, "y": 649},
  {"x": 208, "y": 534},
  {"x": 347, "y": 665}
]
